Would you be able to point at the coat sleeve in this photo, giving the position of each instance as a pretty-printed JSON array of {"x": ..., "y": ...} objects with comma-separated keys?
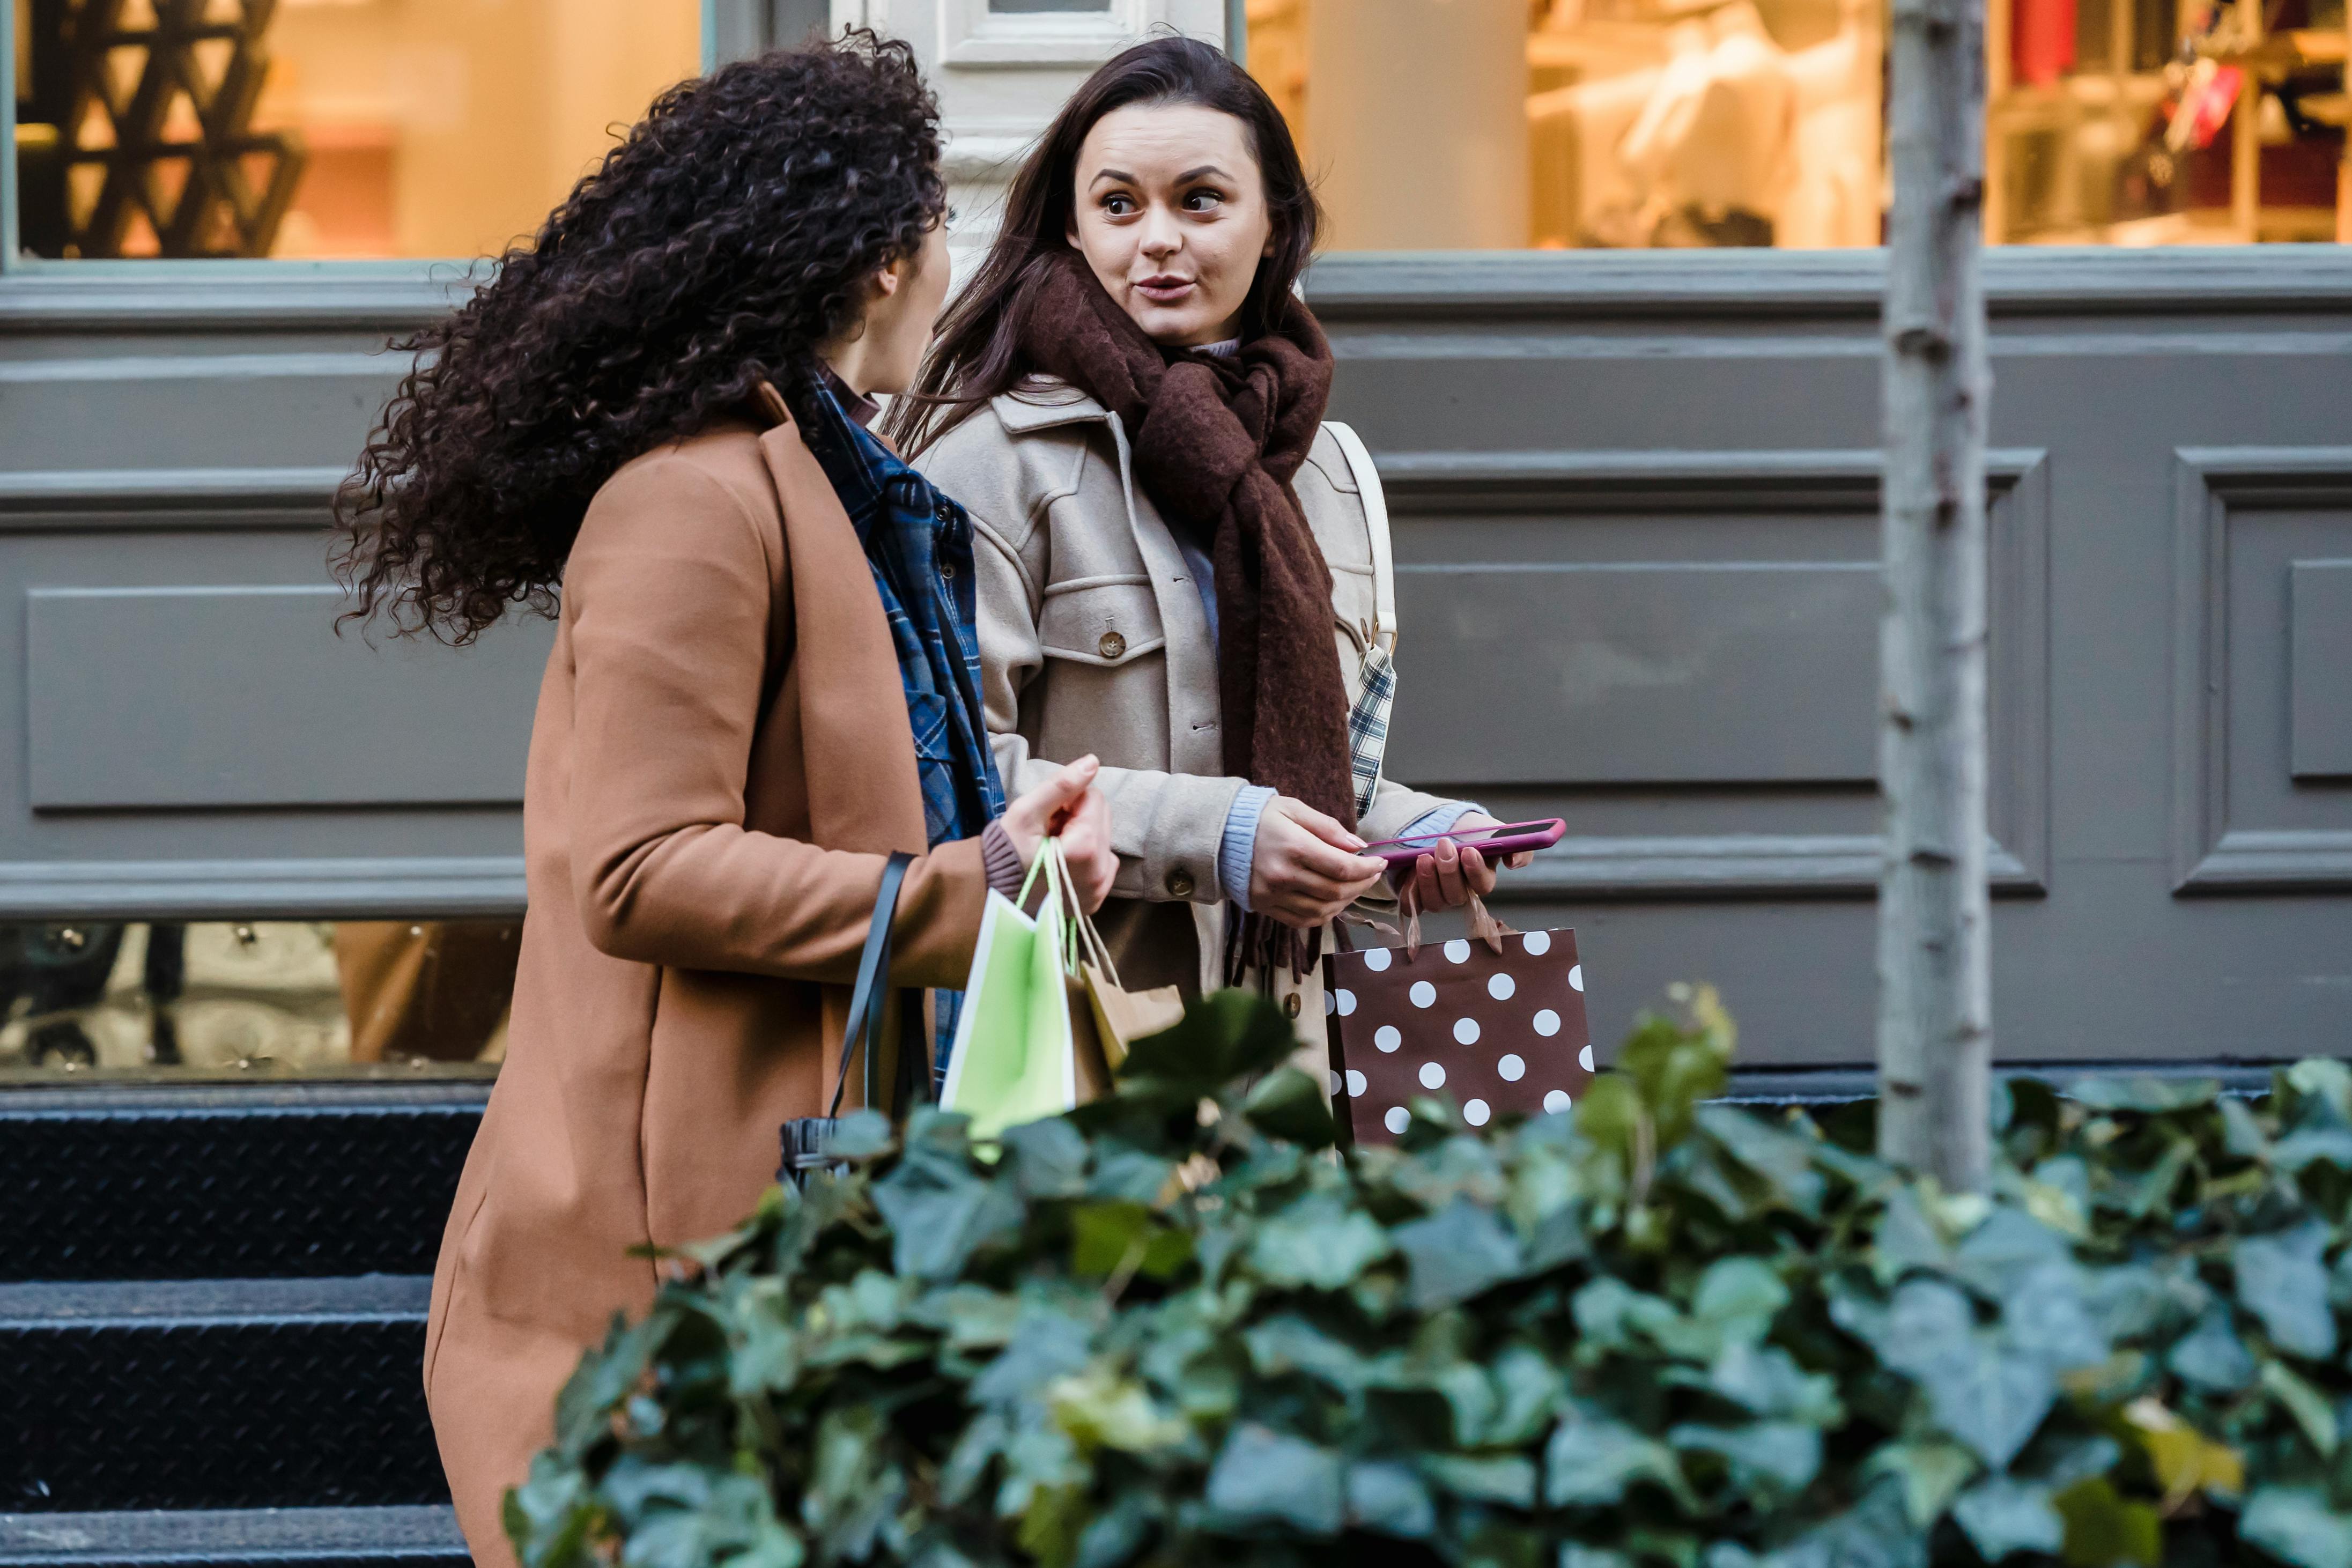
[
  {"x": 668, "y": 596},
  {"x": 1166, "y": 828}
]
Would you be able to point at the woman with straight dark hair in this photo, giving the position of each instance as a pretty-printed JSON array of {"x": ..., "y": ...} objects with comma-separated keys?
[
  {"x": 762, "y": 693},
  {"x": 1178, "y": 567}
]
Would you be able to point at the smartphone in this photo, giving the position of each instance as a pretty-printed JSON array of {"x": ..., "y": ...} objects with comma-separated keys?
[{"x": 1493, "y": 843}]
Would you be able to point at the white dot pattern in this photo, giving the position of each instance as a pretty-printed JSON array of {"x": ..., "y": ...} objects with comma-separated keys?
[{"x": 1497, "y": 1034}]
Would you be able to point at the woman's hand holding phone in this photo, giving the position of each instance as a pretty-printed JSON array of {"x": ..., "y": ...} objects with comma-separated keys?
[
  {"x": 1446, "y": 876},
  {"x": 1069, "y": 804},
  {"x": 1303, "y": 868}
]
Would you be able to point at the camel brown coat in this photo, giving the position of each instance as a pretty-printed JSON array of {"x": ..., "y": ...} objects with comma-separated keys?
[{"x": 711, "y": 793}]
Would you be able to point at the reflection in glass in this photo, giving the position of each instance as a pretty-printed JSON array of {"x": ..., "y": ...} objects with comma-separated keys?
[
  {"x": 1484, "y": 124},
  {"x": 324, "y": 128},
  {"x": 216, "y": 998}
]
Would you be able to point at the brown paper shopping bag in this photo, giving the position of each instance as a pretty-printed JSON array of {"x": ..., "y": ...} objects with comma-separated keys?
[{"x": 1119, "y": 1015}]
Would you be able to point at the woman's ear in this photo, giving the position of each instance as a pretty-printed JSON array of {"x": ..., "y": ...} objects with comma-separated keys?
[{"x": 886, "y": 281}]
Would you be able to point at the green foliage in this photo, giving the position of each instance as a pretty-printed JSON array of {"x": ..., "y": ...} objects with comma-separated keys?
[{"x": 1176, "y": 1329}]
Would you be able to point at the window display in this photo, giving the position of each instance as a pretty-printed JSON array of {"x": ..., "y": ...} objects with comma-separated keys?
[
  {"x": 253, "y": 999},
  {"x": 322, "y": 128},
  {"x": 1648, "y": 123}
]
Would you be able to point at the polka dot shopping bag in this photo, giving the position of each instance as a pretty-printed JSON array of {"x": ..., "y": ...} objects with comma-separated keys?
[{"x": 1497, "y": 1022}]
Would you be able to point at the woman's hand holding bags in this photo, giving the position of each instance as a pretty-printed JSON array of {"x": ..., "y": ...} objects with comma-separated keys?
[{"x": 1067, "y": 807}]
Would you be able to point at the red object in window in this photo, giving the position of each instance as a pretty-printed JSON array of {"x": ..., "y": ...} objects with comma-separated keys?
[{"x": 2041, "y": 41}]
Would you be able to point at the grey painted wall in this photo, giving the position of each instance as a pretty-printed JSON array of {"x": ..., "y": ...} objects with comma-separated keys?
[{"x": 1635, "y": 516}]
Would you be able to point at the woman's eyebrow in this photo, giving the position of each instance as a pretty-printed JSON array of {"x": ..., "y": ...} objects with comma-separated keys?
[
  {"x": 1204, "y": 169},
  {"x": 1121, "y": 175}
]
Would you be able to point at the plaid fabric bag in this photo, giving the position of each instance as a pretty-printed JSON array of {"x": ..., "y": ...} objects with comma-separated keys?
[{"x": 1376, "y": 677}]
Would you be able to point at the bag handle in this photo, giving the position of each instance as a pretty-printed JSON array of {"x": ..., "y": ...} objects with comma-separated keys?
[
  {"x": 862, "y": 1031},
  {"x": 1091, "y": 946},
  {"x": 1376, "y": 525}
]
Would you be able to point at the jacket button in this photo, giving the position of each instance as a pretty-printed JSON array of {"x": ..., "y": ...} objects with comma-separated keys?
[
  {"x": 1112, "y": 645},
  {"x": 1290, "y": 1006},
  {"x": 1180, "y": 884}
]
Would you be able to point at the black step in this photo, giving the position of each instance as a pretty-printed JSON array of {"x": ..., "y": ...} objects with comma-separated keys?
[
  {"x": 230, "y": 1182},
  {"x": 180, "y": 1394},
  {"x": 410, "y": 1537}
]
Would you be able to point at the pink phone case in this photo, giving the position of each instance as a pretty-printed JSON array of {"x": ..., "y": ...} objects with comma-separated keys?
[{"x": 1507, "y": 838}]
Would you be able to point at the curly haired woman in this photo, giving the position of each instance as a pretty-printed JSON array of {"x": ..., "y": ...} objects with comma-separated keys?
[{"x": 765, "y": 682}]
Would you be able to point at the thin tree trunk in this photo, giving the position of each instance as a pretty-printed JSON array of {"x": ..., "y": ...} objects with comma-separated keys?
[{"x": 1934, "y": 1011}]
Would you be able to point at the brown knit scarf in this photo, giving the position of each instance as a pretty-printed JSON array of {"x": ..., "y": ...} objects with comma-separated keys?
[{"x": 1216, "y": 442}]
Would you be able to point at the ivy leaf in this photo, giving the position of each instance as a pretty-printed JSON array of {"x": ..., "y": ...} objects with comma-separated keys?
[
  {"x": 1990, "y": 1397},
  {"x": 2104, "y": 1528},
  {"x": 1263, "y": 1477},
  {"x": 1390, "y": 1500},
  {"x": 1290, "y": 1106},
  {"x": 1736, "y": 1300},
  {"x": 1048, "y": 1157},
  {"x": 1767, "y": 1381},
  {"x": 1045, "y": 1344},
  {"x": 1508, "y": 1480},
  {"x": 1931, "y": 1472},
  {"x": 1456, "y": 1253},
  {"x": 604, "y": 1377},
  {"x": 1591, "y": 1460},
  {"x": 2143, "y": 1092},
  {"x": 2282, "y": 1281},
  {"x": 1291, "y": 1344},
  {"x": 2212, "y": 1357},
  {"x": 1319, "y": 1242},
  {"x": 1782, "y": 1453},
  {"x": 2305, "y": 1403},
  {"x": 938, "y": 1210},
  {"x": 2298, "y": 1525},
  {"x": 2001, "y": 1516}
]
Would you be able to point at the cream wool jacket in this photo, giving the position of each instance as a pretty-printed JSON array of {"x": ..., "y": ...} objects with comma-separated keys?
[{"x": 1093, "y": 638}]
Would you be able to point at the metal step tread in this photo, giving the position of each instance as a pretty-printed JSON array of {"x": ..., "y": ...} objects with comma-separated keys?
[
  {"x": 166, "y": 1303},
  {"x": 402, "y": 1534}
]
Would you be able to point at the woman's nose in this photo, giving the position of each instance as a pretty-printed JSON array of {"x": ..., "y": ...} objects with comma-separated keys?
[{"x": 1159, "y": 233}]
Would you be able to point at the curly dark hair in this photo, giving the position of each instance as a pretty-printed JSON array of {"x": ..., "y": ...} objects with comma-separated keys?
[{"x": 732, "y": 231}]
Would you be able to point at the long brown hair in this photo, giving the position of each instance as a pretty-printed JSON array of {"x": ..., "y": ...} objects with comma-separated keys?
[{"x": 978, "y": 356}]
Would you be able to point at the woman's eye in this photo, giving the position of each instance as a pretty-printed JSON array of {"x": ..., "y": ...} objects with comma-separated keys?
[
  {"x": 1202, "y": 201},
  {"x": 1117, "y": 205}
]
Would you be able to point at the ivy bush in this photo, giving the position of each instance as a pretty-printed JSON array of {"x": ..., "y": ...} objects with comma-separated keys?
[{"x": 1175, "y": 1330}]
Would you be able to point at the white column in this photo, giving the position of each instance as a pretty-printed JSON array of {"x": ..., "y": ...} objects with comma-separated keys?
[
  {"x": 1001, "y": 74},
  {"x": 1416, "y": 116}
]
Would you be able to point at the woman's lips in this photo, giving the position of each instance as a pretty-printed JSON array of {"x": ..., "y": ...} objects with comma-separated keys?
[{"x": 1164, "y": 290}]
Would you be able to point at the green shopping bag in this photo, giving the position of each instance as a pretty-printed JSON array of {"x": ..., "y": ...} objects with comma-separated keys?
[{"x": 1014, "y": 1058}]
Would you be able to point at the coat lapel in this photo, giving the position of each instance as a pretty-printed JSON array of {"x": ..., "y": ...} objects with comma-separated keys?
[{"x": 862, "y": 792}]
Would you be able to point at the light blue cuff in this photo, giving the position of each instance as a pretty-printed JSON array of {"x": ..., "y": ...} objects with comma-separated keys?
[
  {"x": 1240, "y": 847},
  {"x": 1442, "y": 819}
]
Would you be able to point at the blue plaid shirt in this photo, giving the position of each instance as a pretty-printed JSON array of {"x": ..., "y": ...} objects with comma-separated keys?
[{"x": 919, "y": 543}]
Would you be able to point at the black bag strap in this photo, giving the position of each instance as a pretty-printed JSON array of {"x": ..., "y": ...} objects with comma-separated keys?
[{"x": 869, "y": 1000}]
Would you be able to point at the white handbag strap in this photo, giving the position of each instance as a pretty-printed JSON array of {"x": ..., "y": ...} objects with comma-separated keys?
[{"x": 1376, "y": 524}]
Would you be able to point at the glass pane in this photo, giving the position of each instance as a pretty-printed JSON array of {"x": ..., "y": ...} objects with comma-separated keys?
[
  {"x": 1496, "y": 125},
  {"x": 324, "y": 128},
  {"x": 228, "y": 999},
  {"x": 1029, "y": 7}
]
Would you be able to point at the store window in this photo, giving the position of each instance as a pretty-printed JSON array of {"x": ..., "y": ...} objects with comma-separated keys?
[
  {"x": 1487, "y": 124},
  {"x": 253, "y": 1000},
  {"x": 322, "y": 128}
]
